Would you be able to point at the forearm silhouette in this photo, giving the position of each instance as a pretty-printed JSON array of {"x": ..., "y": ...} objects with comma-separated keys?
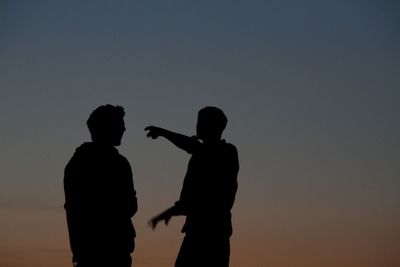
[{"x": 189, "y": 144}]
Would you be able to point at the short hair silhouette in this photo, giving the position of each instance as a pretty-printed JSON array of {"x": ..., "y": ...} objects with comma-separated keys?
[
  {"x": 103, "y": 119},
  {"x": 212, "y": 120}
]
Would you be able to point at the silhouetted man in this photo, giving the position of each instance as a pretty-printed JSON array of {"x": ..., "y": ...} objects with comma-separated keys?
[
  {"x": 208, "y": 191},
  {"x": 100, "y": 199}
]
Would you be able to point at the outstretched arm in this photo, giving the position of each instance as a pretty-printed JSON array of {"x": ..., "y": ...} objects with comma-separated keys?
[{"x": 189, "y": 144}]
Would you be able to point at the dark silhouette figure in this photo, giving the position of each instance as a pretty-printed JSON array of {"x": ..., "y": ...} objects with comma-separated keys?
[
  {"x": 208, "y": 191},
  {"x": 100, "y": 199}
]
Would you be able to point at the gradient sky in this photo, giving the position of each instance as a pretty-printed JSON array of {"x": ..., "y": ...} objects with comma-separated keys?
[{"x": 311, "y": 90}]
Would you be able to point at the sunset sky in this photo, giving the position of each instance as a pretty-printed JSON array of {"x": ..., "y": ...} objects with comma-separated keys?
[{"x": 311, "y": 90}]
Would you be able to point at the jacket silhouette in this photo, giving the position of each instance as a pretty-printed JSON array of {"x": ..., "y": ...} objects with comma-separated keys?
[{"x": 100, "y": 201}]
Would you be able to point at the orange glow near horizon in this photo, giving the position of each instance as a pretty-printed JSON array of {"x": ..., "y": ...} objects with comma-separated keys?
[{"x": 39, "y": 239}]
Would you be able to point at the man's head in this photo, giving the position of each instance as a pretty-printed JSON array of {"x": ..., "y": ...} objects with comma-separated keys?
[
  {"x": 106, "y": 124},
  {"x": 211, "y": 122}
]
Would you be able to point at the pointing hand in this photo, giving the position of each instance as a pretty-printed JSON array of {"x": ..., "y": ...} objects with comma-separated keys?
[
  {"x": 165, "y": 216},
  {"x": 153, "y": 131}
]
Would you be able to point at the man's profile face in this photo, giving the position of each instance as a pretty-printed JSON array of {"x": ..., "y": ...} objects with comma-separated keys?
[
  {"x": 117, "y": 131},
  {"x": 205, "y": 130},
  {"x": 110, "y": 133}
]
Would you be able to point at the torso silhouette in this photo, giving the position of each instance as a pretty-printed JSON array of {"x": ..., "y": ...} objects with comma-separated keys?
[
  {"x": 99, "y": 200},
  {"x": 209, "y": 189}
]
